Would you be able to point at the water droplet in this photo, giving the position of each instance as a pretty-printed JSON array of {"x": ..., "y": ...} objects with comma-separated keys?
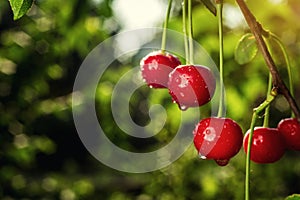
[
  {"x": 183, "y": 107},
  {"x": 182, "y": 94},
  {"x": 153, "y": 65},
  {"x": 258, "y": 140},
  {"x": 184, "y": 80},
  {"x": 151, "y": 86},
  {"x": 222, "y": 162},
  {"x": 209, "y": 134},
  {"x": 202, "y": 156}
]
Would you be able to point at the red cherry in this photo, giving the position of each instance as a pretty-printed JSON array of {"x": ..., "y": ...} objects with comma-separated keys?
[
  {"x": 156, "y": 67},
  {"x": 267, "y": 145},
  {"x": 191, "y": 86},
  {"x": 218, "y": 138},
  {"x": 290, "y": 130}
]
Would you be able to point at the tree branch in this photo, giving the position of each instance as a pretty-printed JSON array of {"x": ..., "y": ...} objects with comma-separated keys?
[{"x": 258, "y": 31}]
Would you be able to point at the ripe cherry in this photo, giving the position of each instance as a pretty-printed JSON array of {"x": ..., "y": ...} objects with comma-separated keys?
[
  {"x": 191, "y": 85},
  {"x": 156, "y": 67},
  {"x": 290, "y": 130},
  {"x": 218, "y": 138},
  {"x": 267, "y": 145}
]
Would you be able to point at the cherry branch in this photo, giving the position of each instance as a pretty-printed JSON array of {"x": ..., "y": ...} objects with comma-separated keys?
[{"x": 258, "y": 32}]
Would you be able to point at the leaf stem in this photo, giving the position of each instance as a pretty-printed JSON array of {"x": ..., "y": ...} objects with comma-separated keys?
[
  {"x": 164, "y": 34},
  {"x": 258, "y": 31},
  {"x": 221, "y": 56}
]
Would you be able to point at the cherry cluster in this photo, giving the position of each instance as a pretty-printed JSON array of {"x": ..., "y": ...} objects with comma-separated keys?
[
  {"x": 216, "y": 138},
  {"x": 189, "y": 85},
  {"x": 269, "y": 144}
]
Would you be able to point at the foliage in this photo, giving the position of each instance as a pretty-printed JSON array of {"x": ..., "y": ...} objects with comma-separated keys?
[
  {"x": 246, "y": 49},
  {"x": 41, "y": 154}
]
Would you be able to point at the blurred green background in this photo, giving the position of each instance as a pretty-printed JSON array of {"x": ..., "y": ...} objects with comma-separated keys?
[{"x": 41, "y": 155}]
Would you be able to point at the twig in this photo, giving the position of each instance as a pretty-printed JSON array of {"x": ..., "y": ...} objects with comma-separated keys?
[{"x": 258, "y": 31}]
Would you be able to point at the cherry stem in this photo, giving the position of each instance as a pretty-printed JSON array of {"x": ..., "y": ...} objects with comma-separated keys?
[
  {"x": 267, "y": 110},
  {"x": 190, "y": 33},
  {"x": 288, "y": 65},
  {"x": 186, "y": 45},
  {"x": 221, "y": 56},
  {"x": 256, "y": 111},
  {"x": 258, "y": 31},
  {"x": 247, "y": 179},
  {"x": 164, "y": 34}
]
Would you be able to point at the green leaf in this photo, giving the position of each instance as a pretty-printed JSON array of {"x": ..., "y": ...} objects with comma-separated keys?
[
  {"x": 210, "y": 6},
  {"x": 293, "y": 197},
  {"x": 20, "y": 7},
  {"x": 246, "y": 49}
]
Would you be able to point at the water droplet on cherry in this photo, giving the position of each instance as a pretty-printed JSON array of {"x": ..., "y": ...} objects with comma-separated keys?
[
  {"x": 222, "y": 162},
  {"x": 183, "y": 107}
]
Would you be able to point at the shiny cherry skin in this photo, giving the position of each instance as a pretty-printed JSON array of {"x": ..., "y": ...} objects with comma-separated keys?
[
  {"x": 268, "y": 145},
  {"x": 218, "y": 138},
  {"x": 156, "y": 67},
  {"x": 290, "y": 130},
  {"x": 191, "y": 85}
]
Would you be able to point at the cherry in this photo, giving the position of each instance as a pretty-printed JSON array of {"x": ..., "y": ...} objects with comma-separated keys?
[
  {"x": 218, "y": 138},
  {"x": 156, "y": 67},
  {"x": 267, "y": 145},
  {"x": 191, "y": 85},
  {"x": 290, "y": 130}
]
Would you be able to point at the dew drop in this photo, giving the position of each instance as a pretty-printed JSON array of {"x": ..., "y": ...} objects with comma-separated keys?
[
  {"x": 258, "y": 140},
  {"x": 182, "y": 94},
  {"x": 183, "y": 107},
  {"x": 184, "y": 81},
  {"x": 202, "y": 156},
  {"x": 209, "y": 134},
  {"x": 222, "y": 162},
  {"x": 151, "y": 86},
  {"x": 153, "y": 65}
]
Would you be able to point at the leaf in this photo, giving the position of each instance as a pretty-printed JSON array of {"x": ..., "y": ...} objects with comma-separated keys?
[
  {"x": 246, "y": 49},
  {"x": 293, "y": 197},
  {"x": 20, "y": 7},
  {"x": 210, "y": 6}
]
